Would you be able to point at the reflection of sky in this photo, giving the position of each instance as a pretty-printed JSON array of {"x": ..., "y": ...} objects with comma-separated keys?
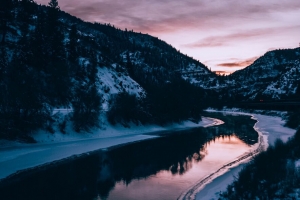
[
  {"x": 164, "y": 185},
  {"x": 224, "y": 35}
]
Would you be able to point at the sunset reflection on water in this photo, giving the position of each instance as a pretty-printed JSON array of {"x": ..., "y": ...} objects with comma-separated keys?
[
  {"x": 165, "y": 185},
  {"x": 160, "y": 168}
]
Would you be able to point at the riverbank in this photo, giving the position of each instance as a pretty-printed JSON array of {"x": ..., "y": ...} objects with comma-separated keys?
[
  {"x": 16, "y": 156},
  {"x": 269, "y": 128}
]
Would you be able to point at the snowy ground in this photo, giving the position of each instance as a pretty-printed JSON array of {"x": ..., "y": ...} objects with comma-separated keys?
[
  {"x": 16, "y": 156},
  {"x": 52, "y": 147},
  {"x": 269, "y": 128}
]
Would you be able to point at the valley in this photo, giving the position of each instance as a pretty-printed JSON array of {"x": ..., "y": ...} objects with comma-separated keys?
[{"x": 92, "y": 111}]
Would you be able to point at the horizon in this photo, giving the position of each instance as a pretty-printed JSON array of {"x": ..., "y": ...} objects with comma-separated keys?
[{"x": 224, "y": 36}]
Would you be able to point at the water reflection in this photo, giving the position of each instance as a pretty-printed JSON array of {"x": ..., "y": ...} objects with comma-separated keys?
[
  {"x": 167, "y": 185},
  {"x": 154, "y": 169}
]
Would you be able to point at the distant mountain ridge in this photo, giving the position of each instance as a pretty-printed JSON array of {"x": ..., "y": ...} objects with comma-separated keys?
[{"x": 275, "y": 75}]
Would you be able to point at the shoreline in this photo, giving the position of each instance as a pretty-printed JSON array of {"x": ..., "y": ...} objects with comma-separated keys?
[
  {"x": 19, "y": 157},
  {"x": 244, "y": 158},
  {"x": 222, "y": 173},
  {"x": 206, "y": 186}
]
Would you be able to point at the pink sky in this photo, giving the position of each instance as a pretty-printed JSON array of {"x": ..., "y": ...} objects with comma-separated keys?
[{"x": 224, "y": 35}]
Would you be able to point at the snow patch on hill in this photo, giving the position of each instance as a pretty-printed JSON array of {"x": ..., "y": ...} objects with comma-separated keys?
[{"x": 112, "y": 82}]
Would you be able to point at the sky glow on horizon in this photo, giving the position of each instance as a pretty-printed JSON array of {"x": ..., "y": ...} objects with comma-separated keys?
[{"x": 224, "y": 35}]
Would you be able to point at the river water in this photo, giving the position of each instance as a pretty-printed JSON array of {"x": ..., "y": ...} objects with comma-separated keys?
[{"x": 160, "y": 168}]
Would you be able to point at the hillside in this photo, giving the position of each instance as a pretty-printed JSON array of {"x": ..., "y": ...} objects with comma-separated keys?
[
  {"x": 275, "y": 75},
  {"x": 50, "y": 60}
]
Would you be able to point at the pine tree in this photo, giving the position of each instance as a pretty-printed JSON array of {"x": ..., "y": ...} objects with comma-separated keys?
[
  {"x": 92, "y": 72},
  {"x": 55, "y": 35},
  {"x": 72, "y": 46},
  {"x": 4, "y": 62},
  {"x": 39, "y": 44},
  {"x": 24, "y": 107},
  {"x": 298, "y": 89},
  {"x": 87, "y": 100},
  {"x": 5, "y": 17},
  {"x": 86, "y": 105},
  {"x": 129, "y": 64},
  {"x": 57, "y": 69},
  {"x": 54, "y": 4}
]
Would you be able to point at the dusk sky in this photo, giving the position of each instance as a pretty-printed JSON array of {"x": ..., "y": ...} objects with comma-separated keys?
[{"x": 224, "y": 35}]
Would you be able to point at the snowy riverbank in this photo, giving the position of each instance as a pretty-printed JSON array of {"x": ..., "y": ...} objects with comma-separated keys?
[
  {"x": 269, "y": 128},
  {"x": 52, "y": 147}
]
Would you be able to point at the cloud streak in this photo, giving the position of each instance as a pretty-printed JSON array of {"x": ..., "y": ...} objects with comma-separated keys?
[
  {"x": 229, "y": 39},
  {"x": 158, "y": 16},
  {"x": 243, "y": 63},
  {"x": 221, "y": 72}
]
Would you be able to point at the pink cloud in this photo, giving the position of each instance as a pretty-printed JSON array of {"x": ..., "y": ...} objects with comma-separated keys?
[
  {"x": 232, "y": 38},
  {"x": 158, "y": 16},
  {"x": 243, "y": 63},
  {"x": 223, "y": 40}
]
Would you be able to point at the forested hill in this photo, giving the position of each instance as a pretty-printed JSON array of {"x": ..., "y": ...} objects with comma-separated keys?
[
  {"x": 50, "y": 59},
  {"x": 275, "y": 76}
]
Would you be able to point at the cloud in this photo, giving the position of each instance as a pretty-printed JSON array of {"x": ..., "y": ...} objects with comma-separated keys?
[
  {"x": 207, "y": 42},
  {"x": 240, "y": 36},
  {"x": 221, "y": 72},
  {"x": 157, "y": 16},
  {"x": 223, "y": 40},
  {"x": 243, "y": 63}
]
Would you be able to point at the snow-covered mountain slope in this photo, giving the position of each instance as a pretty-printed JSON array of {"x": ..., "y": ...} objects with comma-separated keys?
[
  {"x": 112, "y": 82},
  {"x": 114, "y": 49},
  {"x": 51, "y": 60},
  {"x": 275, "y": 75}
]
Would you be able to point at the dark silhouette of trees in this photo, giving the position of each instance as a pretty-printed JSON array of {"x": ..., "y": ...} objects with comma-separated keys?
[
  {"x": 125, "y": 108},
  {"x": 6, "y": 7},
  {"x": 87, "y": 100},
  {"x": 86, "y": 105},
  {"x": 72, "y": 45}
]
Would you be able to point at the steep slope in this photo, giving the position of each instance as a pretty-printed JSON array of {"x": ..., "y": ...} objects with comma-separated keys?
[
  {"x": 275, "y": 75},
  {"x": 50, "y": 59}
]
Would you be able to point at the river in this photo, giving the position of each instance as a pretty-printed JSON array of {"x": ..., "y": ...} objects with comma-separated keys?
[{"x": 159, "y": 168}]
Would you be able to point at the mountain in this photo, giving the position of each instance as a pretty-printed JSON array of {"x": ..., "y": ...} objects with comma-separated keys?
[
  {"x": 275, "y": 75},
  {"x": 50, "y": 61},
  {"x": 272, "y": 77}
]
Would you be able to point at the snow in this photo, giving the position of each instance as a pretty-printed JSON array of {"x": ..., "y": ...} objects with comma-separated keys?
[
  {"x": 269, "y": 128},
  {"x": 297, "y": 163},
  {"x": 219, "y": 184},
  {"x": 20, "y": 157},
  {"x": 112, "y": 82},
  {"x": 52, "y": 147},
  {"x": 274, "y": 76}
]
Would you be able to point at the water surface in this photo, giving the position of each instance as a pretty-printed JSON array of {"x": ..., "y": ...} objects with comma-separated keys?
[{"x": 160, "y": 168}]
